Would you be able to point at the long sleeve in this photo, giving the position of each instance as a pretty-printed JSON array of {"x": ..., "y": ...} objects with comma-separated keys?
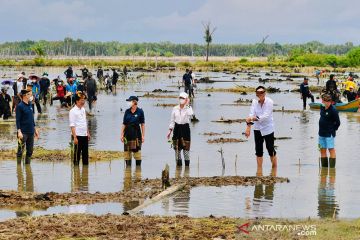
[
  {"x": 18, "y": 117},
  {"x": 190, "y": 111},
  {"x": 172, "y": 120},
  {"x": 267, "y": 113},
  {"x": 336, "y": 121},
  {"x": 252, "y": 109}
]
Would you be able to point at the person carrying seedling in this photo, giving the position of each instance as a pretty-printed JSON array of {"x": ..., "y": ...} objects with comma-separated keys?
[{"x": 25, "y": 123}]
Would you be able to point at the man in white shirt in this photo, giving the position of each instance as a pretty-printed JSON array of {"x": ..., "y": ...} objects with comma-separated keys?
[
  {"x": 79, "y": 130},
  {"x": 261, "y": 116}
]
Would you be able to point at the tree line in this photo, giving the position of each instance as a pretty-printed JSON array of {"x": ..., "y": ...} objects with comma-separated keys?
[{"x": 78, "y": 47}]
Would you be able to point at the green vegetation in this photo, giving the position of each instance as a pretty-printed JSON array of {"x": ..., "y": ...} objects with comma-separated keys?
[{"x": 78, "y": 47}]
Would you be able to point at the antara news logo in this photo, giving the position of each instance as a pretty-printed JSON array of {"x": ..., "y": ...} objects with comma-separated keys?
[{"x": 301, "y": 230}]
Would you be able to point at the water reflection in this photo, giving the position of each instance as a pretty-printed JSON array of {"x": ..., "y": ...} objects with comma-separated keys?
[
  {"x": 263, "y": 193},
  {"x": 182, "y": 199},
  {"x": 25, "y": 178},
  {"x": 327, "y": 205},
  {"x": 129, "y": 179},
  {"x": 80, "y": 180},
  {"x": 25, "y": 184},
  {"x": 92, "y": 125}
]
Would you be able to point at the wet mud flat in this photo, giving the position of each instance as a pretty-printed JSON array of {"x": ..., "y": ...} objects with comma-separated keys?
[
  {"x": 140, "y": 191},
  {"x": 86, "y": 226}
]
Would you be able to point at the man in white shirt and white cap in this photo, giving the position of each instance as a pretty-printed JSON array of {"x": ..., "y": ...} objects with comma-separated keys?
[
  {"x": 261, "y": 116},
  {"x": 179, "y": 126}
]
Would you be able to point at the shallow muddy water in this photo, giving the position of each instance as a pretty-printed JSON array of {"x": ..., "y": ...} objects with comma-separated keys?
[{"x": 311, "y": 192}]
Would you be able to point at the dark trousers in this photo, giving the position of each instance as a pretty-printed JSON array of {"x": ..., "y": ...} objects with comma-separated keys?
[
  {"x": 90, "y": 100},
  {"x": 5, "y": 111},
  {"x": 38, "y": 107},
  {"x": 43, "y": 96},
  {"x": 61, "y": 99},
  {"x": 304, "y": 98},
  {"x": 81, "y": 149},
  {"x": 188, "y": 89},
  {"x": 259, "y": 142},
  {"x": 28, "y": 142}
]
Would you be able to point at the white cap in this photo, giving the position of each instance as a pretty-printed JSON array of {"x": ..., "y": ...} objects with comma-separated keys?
[{"x": 184, "y": 95}]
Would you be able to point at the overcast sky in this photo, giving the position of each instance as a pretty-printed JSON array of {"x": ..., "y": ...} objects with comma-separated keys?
[{"x": 237, "y": 21}]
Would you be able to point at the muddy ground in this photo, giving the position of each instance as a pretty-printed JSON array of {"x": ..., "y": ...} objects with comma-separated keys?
[
  {"x": 139, "y": 191},
  {"x": 85, "y": 226}
]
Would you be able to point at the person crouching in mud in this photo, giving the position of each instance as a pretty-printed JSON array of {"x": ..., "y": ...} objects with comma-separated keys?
[
  {"x": 133, "y": 131},
  {"x": 179, "y": 125},
  {"x": 261, "y": 116},
  {"x": 329, "y": 123}
]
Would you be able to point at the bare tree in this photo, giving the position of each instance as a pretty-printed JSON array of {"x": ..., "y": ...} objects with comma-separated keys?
[{"x": 208, "y": 37}]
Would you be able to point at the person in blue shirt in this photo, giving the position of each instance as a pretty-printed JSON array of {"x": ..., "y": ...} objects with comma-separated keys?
[
  {"x": 71, "y": 88},
  {"x": 133, "y": 131},
  {"x": 25, "y": 124},
  {"x": 36, "y": 91},
  {"x": 329, "y": 123}
]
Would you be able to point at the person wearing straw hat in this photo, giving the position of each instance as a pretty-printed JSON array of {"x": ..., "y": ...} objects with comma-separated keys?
[
  {"x": 329, "y": 123},
  {"x": 44, "y": 87},
  {"x": 79, "y": 130},
  {"x": 133, "y": 131},
  {"x": 261, "y": 116},
  {"x": 179, "y": 126},
  {"x": 25, "y": 124}
]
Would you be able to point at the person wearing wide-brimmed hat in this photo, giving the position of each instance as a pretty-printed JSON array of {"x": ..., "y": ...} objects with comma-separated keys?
[
  {"x": 133, "y": 131},
  {"x": 34, "y": 83},
  {"x": 179, "y": 126},
  {"x": 329, "y": 123},
  {"x": 25, "y": 123}
]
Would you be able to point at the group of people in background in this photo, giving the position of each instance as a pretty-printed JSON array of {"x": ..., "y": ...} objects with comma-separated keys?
[{"x": 332, "y": 87}]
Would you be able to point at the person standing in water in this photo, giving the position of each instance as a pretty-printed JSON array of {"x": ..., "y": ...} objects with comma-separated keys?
[
  {"x": 25, "y": 124},
  {"x": 79, "y": 130},
  {"x": 305, "y": 92},
  {"x": 261, "y": 116},
  {"x": 133, "y": 131},
  {"x": 329, "y": 123},
  {"x": 179, "y": 126}
]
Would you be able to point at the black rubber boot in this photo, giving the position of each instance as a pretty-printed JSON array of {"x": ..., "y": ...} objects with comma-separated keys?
[
  {"x": 27, "y": 160},
  {"x": 332, "y": 162},
  {"x": 128, "y": 163},
  {"x": 138, "y": 162},
  {"x": 179, "y": 163},
  {"x": 324, "y": 162},
  {"x": 187, "y": 163}
]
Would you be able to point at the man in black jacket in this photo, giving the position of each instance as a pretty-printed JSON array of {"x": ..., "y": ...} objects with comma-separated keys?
[
  {"x": 69, "y": 73},
  {"x": 44, "y": 87}
]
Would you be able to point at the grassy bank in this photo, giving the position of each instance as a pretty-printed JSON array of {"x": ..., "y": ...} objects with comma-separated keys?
[
  {"x": 85, "y": 226},
  {"x": 43, "y": 154}
]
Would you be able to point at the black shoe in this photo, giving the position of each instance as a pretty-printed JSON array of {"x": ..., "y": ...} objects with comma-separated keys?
[
  {"x": 179, "y": 163},
  {"x": 27, "y": 160},
  {"x": 187, "y": 163},
  {"x": 138, "y": 162},
  {"x": 128, "y": 163}
]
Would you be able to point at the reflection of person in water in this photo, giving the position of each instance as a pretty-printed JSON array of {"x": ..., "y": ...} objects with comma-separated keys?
[
  {"x": 328, "y": 208},
  {"x": 182, "y": 199},
  {"x": 128, "y": 185},
  {"x": 25, "y": 184},
  {"x": 264, "y": 195},
  {"x": 80, "y": 180}
]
